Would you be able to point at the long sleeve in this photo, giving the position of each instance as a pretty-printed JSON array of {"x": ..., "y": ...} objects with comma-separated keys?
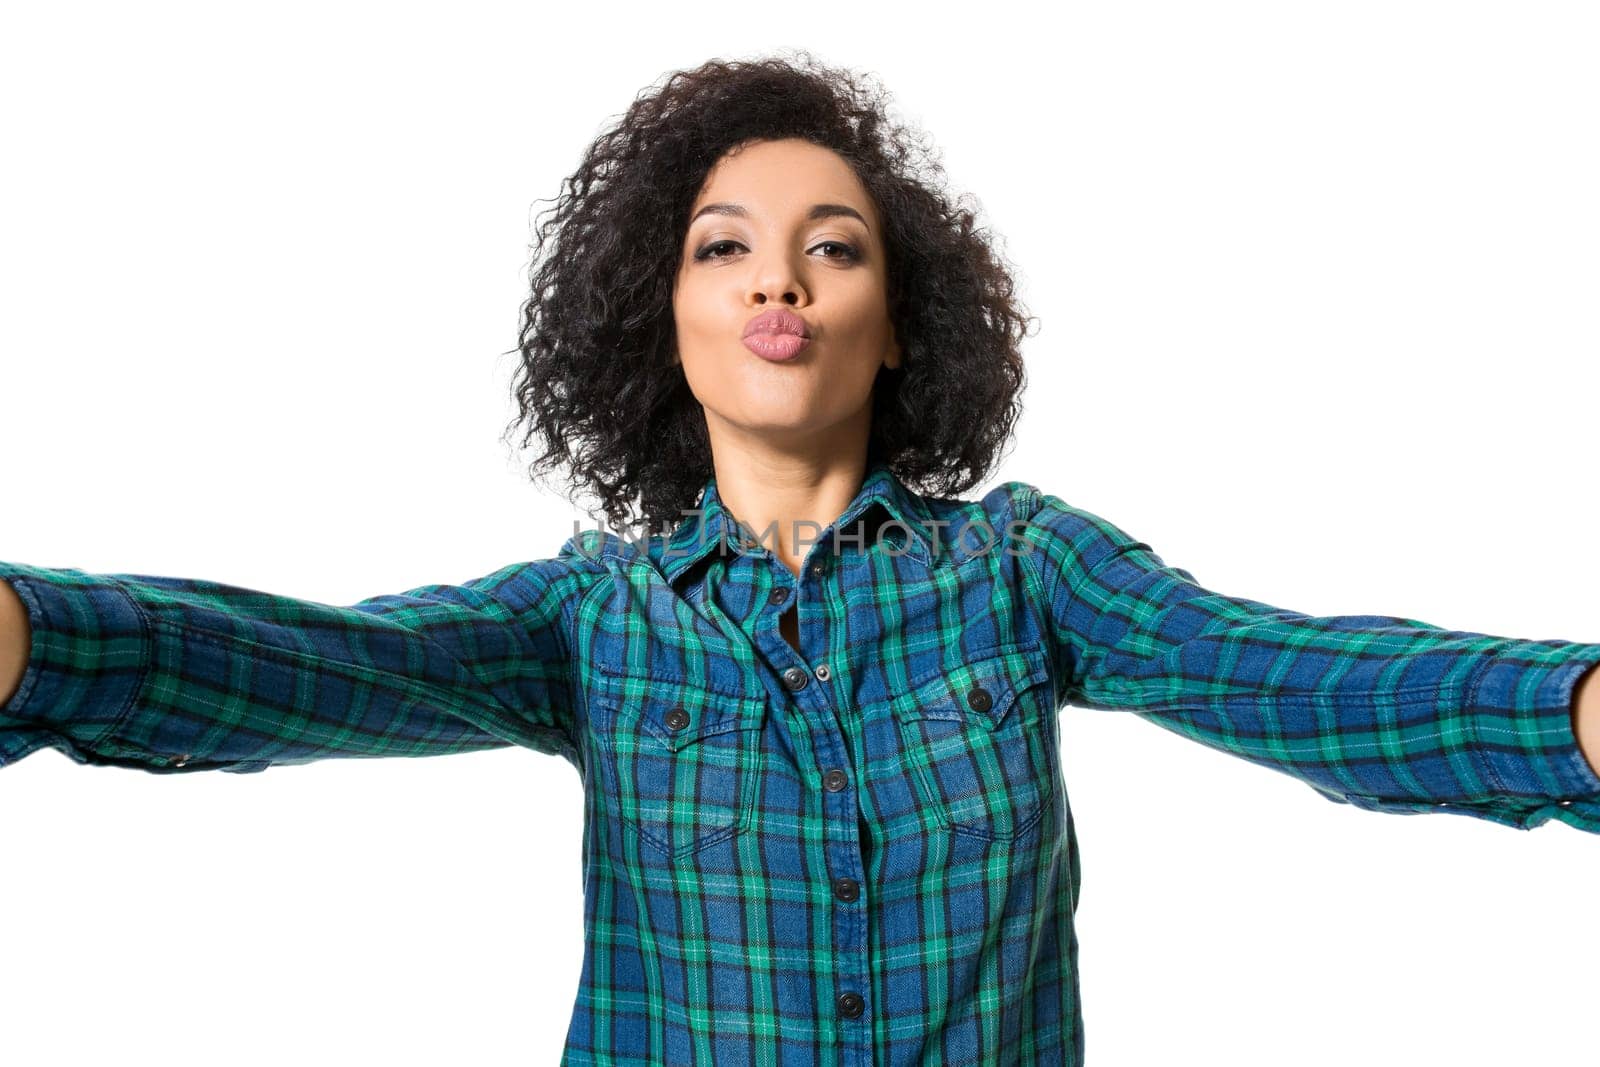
[
  {"x": 177, "y": 674},
  {"x": 1387, "y": 714}
]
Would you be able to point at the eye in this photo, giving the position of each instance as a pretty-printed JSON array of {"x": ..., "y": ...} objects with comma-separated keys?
[
  {"x": 847, "y": 251},
  {"x": 706, "y": 252},
  {"x": 717, "y": 250}
]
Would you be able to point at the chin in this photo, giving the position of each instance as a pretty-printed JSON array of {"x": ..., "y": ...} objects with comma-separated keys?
[{"x": 769, "y": 418}]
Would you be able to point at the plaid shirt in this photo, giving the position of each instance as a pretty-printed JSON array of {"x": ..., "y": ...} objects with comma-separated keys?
[{"x": 859, "y": 852}]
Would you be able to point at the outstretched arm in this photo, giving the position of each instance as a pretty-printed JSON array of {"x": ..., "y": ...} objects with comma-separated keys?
[
  {"x": 179, "y": 674},
  {"x": 1384, "y": 713}
]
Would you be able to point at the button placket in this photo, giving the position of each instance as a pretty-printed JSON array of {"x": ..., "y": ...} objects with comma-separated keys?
[{"x": 845, "y": 890}]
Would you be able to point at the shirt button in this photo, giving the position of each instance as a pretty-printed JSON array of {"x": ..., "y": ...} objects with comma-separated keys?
[
  {"x": 794, "y": 678},
  {"x": 181, "y": 760},
  {"x": 677, "y": 719},
  {"x": 846, "y": 889},
  {"x": 817, "y": 567},
  {"x": 835, "y": 780},
  {"x": 777, "y": 596},
  {"x": 978, "y": 699},
  {"x": 823, "y": 672},
  {"x": 851, "y": 1005}
]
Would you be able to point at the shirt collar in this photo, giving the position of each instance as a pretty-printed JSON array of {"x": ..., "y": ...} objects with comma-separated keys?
[{"x": 713, "y": 527}]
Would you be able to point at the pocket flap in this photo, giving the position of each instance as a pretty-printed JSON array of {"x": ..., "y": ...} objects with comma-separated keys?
[
  {"x": 680, "y": 713},
  {"x": 984, "y": 687}
]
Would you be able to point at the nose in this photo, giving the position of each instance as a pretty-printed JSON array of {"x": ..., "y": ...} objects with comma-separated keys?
[{"x": 775, "y": 279}]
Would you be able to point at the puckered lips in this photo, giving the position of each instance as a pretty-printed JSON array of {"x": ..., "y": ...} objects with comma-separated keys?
[{"x": 777, "y": 335}]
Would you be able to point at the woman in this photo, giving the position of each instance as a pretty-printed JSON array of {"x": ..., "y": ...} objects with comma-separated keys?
[{"x": 814, "y": 708}]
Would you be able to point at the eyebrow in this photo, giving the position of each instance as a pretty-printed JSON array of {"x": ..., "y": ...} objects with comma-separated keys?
[{"x": 818, "y": 211}]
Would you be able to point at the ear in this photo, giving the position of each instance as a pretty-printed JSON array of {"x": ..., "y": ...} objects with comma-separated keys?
[{"x": 894, "y": 357}]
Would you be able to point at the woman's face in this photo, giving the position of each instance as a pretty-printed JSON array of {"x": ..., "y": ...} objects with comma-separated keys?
[{"x": 784, "y": 225}]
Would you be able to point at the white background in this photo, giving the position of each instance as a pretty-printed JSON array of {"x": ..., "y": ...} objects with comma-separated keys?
[{"x": 1318, "y": 289}]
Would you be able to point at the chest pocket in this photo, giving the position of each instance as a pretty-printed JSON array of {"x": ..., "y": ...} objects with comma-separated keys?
[
  {"x": 681, "y": 764},
  {"x": 980, "y": 743}
]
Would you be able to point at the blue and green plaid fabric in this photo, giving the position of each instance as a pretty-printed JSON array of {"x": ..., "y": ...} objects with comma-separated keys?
[{"x": 858, "y": 852}]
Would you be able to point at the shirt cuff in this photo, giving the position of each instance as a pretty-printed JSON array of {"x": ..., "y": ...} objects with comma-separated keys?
[
  {"x": 1521, "y": 709},
  {"x": 90, "y": 649}
]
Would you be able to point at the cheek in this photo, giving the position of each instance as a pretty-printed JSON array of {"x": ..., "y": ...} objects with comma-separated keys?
[
  {"x": 683, "y": 305},
  {"x": 864, "y": 314},
  {"x": 688, "y": 293},
  {"x": 699, "y": 318}
]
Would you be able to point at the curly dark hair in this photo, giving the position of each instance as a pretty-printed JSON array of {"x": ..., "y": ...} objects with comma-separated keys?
[{"x": 597, "y": 384}]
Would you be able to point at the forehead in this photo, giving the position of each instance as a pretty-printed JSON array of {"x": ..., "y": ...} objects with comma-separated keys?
[{"x": 782, "y": 177}]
